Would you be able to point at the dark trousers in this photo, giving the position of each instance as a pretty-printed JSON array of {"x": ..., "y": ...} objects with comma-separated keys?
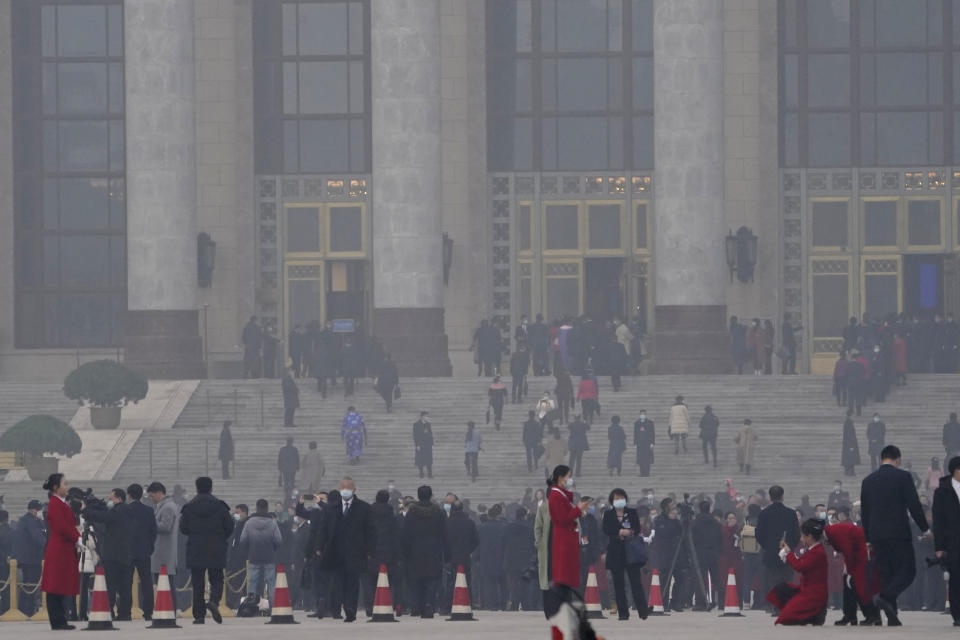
[
  {"x": 540, "y": 362},
  {"x": 470, "y": 462},
  {"x": 349, "y": 583},
  {"x": 789, "y": 364},
  {"x": 297, "y": 361},
  {"x": 198, "y": 576},
  {"x": 142, "y": 566},
  {"x": 954, "y": 589},
  {"x": 874, "y": 461},
  {"x": 289, "y": 481},
  {"x": 518, "y": 591},
  {"x": 57, "y": 610},
  {"x": 711, "y": 446},
  {"x": 644, "y": 462},
  {"x": 497, "y": 413},
  {"x": 533, "y": 460},
  {"x": 31, "y": 576},
  {"x": 494, "y": 591},
  {"x": 774, "y": 575},
  {"x": 615, "y": 381},
  {"x": 563, "y": 409},
  {"x": 576, "y": 461},
  {"x": 851, "y": 601},
  {"x": 251, "y": 363},
  {"x": 322, "y": 386},
  {"x": 636, "y": 588},
  {"x": 288, "y": 416},
  {"x": 424, "y": 595},
  {"x": 119, "y": 587},
  {"x": 897, "y": 567},
  {"x": 225, "y": 469},
  {"x": 711, "y": 580},
  {"x": 517, "y": 387}
]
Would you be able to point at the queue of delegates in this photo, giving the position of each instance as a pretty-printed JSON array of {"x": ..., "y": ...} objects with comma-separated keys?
[{"x": 852, "y": 555}]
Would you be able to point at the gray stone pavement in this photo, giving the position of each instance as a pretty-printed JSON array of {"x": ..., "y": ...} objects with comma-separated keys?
[{"x": 510, "y": 626}]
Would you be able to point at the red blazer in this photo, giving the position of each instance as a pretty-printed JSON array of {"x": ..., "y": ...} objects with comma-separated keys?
[
  {"x": 587, "y": 390},
  {"x": 61, "y": 573},
  {"x": 564, "y": 538},
  {"x": 849, "y": 541},
  {"x": 813, "y": 595}
]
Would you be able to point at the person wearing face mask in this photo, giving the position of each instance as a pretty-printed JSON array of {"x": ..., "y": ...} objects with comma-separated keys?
[
  {"x": 879, "y": 377},
  {"x": 838, "y": 497},
  {"x": 423, "y": 444},
  {"x": 626, "y": 553},
  {"x": 565, "y": 516},
  {"x": 644, "y": 439},
  {"x": 207, "y": 523},
  {"x": 30, "y": 539},
  {"x": 591, "y": 545},
  {"x": 345, "y": 540},
  {"x": 805, "y": 603},
  {"x": 117, "y": 550},
  {"x": 876, "y": 439}
]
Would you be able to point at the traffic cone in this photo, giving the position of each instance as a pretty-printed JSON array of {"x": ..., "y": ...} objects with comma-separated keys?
[
  {"x": 461, "y": 610},
  {"x": 164, "y": 614},
  {"x": 591, "y": 597},
  {"x": 382, "y": 602},
  {"x": 656, "y": 599},
  {"x": 282, "y": 611},
  {"x": 731, "y": 604},
  {"x": 99, "y": 617}
]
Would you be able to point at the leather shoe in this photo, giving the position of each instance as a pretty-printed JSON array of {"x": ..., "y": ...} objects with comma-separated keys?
[
  {"x": 844, "y": 621},
  {"x": 350, "y": 619},
  {"x": 872, "y": 621},
  {"x": 214, "y": 612},
  {"x": 887, "y": 607},
  {"x": 66, "y": 627}
]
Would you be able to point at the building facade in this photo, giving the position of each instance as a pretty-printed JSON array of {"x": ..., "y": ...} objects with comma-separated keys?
[{"x": 583, "y": 156}]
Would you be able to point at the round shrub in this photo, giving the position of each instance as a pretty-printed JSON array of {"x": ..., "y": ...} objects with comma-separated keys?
[{"x": 105, "y": 383}]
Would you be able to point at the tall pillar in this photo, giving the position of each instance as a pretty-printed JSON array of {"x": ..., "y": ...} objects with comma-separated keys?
[
  {"x": 162, "y": 327},
  {"x": 690, "y": 334},
  {"x": 407, "y": 187}
]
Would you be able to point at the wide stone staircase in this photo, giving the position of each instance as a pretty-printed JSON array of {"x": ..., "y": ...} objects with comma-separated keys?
[{"x": 797, "y": 419}]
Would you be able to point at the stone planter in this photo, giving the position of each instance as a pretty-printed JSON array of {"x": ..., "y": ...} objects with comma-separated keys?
[
  {"x": 105, "y": 417},
  {"x": 39, "y": 468}
]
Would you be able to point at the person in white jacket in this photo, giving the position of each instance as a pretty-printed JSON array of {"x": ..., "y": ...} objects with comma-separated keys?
[{"x": 679, "y": 425}]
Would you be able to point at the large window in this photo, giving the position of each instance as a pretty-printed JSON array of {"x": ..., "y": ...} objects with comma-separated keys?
[
  {"x": 569, "y": 84},
  {"x": 69, "y": 168},
  {"x": 311, "y": 86},
  {"x": 869, "y": 82}
]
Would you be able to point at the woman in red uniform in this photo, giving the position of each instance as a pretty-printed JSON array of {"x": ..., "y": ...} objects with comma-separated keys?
[
  {"x": 564, "y": 530},
  {"x": 61, "y": 572},
  {"x": 860, "y": 582},
  {"x": 805, "y": 603}
]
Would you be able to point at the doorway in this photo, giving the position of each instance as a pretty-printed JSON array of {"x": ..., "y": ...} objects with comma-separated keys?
[
  {"x": 923, "y": 285},
  {"x": 604, "y": 289},
  {"x": 345, "y": 290}
]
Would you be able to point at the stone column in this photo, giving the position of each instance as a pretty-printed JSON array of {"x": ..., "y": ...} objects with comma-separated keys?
[
  {"x": 162, "y": 327},
  {"x": 407, "y": 187},
  {"x": 690, "y": 226}
]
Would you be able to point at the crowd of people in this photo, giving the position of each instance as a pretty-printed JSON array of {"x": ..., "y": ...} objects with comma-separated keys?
[{"x": 851, "y": 554}]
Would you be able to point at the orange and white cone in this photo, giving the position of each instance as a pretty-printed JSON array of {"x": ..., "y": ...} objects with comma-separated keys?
[
  {"x": 731, "y": 604},
  {"x": 461, "y": 610},
  {"x": 656, "y": 599},
  {"x": 282, "y": 610},
  {"x": 164, "y": 614},
  {"x": 591, "y": 597},
  {"x": 382, "y": 602},
  {"x": 100, "y": 617}
]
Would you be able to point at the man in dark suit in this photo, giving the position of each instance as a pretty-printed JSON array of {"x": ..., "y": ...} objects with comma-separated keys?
[
  {"x": 291, "y": 397},
  {"x": 946, "y": 530},
  {"x": 207, "y": 525},
  {"x": 886, "y": 496},
  {"x": 346, "y": 537},
  {"x": 116, "y": 550},
  {"x": 141, "y": 549},
  {"x": 776, "y": 523}
]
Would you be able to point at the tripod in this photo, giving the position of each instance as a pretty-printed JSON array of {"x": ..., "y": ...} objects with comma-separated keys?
[{"x": 686, "y": 537}]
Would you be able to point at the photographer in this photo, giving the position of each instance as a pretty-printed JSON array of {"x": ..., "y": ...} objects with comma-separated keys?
[
  {"x": 116, "y": 551},
  {"x": 946, "y": 531}
]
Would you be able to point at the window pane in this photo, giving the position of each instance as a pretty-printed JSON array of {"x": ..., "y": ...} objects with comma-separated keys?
[
  {"x": 643, "y": 84},
  {"x": 829, "y": 139},
  {"x": 85, "y": 261},
  {"x": 118, "y": 261},
  {"x": 791, "y": 80},
  {"x": 116, "y": 93},
  {"x": 357, "y": 88},
  {"x": 828, "y": 80},
  {"x": 923, "y": 222},
  {"x": 48, "y": 28},
  {"x": 510, "y": 144},
  {"x": 900, "y": 23},
  {"x": 323, "y": 87},
  {"x": 880, "y": 223},
  {"x": 117, "y": 148},
  {"x": 49, "y": 95},
  {"x": 84, "y": 203},
  {"x": 604, "y": 226},
  {"x": 115, "y": 30},
  {"x": 563, "y": 297},
  {"x": 526, "y": 297},
  {"x": 868, "y": 138},
  {"x": 830, "y": 304},
  {"x": 346, "y": 229},
  {"x": 510, "y": 85},
  {"x": 357, "y": 35},
  {"x": 323, "y": 28},
  {"x": 289, "y": 29},
  {"x": 524, "y": 228},
  {"x": 290, "y": 88},
  {"x": 902, "y": 79},
  {"x": 791, "y": 140},
  {"x": 562, "y": 227},
  {"x": 548, "y": 90},
  {"x": 582, "y": 143},
  {"x": 323, "y": 146},
  {"x": 901, "y": 138},
  {"x": 509, "y": 26},
  {"x": 641, "y": 223},
  {"x": 581, "y": 25},
  {"x": 358, "y": 145},
  {"x": 51, "y": 204},
  {"x": 881, "y": 297},
  {"x": 642, "y": 142},
  {"x": 83, "y": 146},
  {"x": 304, "y": 302},
  {"x": 86, "y": 319},
  {"x": 828, "y": 23},
  {"x": 829, "y": 221},
  {"x": 582, "y": 84},
  {"x": 82, "y": 30},
  {"x": 303, "y": 230},
  {"x": 643, "y": 25}
]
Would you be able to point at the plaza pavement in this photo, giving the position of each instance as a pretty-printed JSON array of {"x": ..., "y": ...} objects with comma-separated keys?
[{"x": 508, "y": 626}]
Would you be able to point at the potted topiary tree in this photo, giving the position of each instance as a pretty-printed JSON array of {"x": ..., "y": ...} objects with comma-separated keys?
[
  {"x": 37, "y": 435},
  {"x": 106, "y": 387}
]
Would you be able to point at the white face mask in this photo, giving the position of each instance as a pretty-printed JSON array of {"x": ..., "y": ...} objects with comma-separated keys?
[
  {"x": 876, "y": 419},
  {"x": 447, "y": 507},
  {"x": 619, "y": 503},
  {"x": 346, "y": 494},
  {"x": 236, "y": 517},
  {"x": 390, "y": 487},
  {"x": 570, "y": 482}
]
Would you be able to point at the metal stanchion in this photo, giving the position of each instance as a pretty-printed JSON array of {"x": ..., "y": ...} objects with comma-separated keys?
[{"x": 13, "y": 614}]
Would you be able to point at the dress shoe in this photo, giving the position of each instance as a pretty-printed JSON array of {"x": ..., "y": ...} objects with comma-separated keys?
[
  {"x": 956, "y": 623},
  {"x": 200, "y": 621},
  {"x": 214, "y": 612},
  {"x": 66, "y": 627},
  {"x": 819, "y": 619},
  {"x": 887, "y": 607},
  {"x": 350, "y": 619},
  {"x": 872, "y": 621},
  {"x": 844, "y": 621}
]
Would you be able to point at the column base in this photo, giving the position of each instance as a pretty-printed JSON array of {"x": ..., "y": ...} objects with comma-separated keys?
[
  {"x": 415, "y": 339},
  {"x": 691, "y": 340},
  {"x": 165, "y": 345}
]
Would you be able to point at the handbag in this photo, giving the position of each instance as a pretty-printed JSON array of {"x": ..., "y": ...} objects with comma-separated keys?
[
  {"x": 396, "y": 392},
  {"x": 636, "y": 551}
]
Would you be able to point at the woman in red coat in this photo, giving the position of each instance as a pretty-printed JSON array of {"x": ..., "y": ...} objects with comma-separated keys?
[
  {"x": 730, "y": 555},
  {"x": 61, "y": 572},
  {"x": 860, "y": 582},
  {"x": 805, "y": 603},
  {"x": 564, "y": 528}
]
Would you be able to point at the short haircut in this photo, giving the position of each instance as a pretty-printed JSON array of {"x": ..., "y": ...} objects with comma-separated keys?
[
  {"x": 262, "y": 505},
  {"x": 776, "y": 493},
  {"x": 495, "y": 511},
  {"x": 845, "y": 510},
  {"x": 704, "y": 507},
  {"x": 204, "y": 484},
  {"x": 424, "y": 493},
  {"x": 242, "y": 507},
  {"x": 521, "y": 514},
  {"x": 953, "y": 465},
  {"x": 617, "y": 492},
  {"x": 157, "y": 487},
  {"x": 890, "y": 452},
  {"x": 120, "y": 493},
  {"x": 665, "y": 504},
  {"x": 135, "y": 491},
  {"x": 383, "y": 496}
]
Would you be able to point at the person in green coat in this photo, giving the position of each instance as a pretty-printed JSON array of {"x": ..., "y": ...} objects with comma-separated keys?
[{"x": 541, "y": 538}]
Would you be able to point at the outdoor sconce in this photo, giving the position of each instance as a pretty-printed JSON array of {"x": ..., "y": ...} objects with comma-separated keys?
[
  {"x": 206, "y": 254},
  {"x": 741, "y": 252},
  {"x": 447, "y": 258}
]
